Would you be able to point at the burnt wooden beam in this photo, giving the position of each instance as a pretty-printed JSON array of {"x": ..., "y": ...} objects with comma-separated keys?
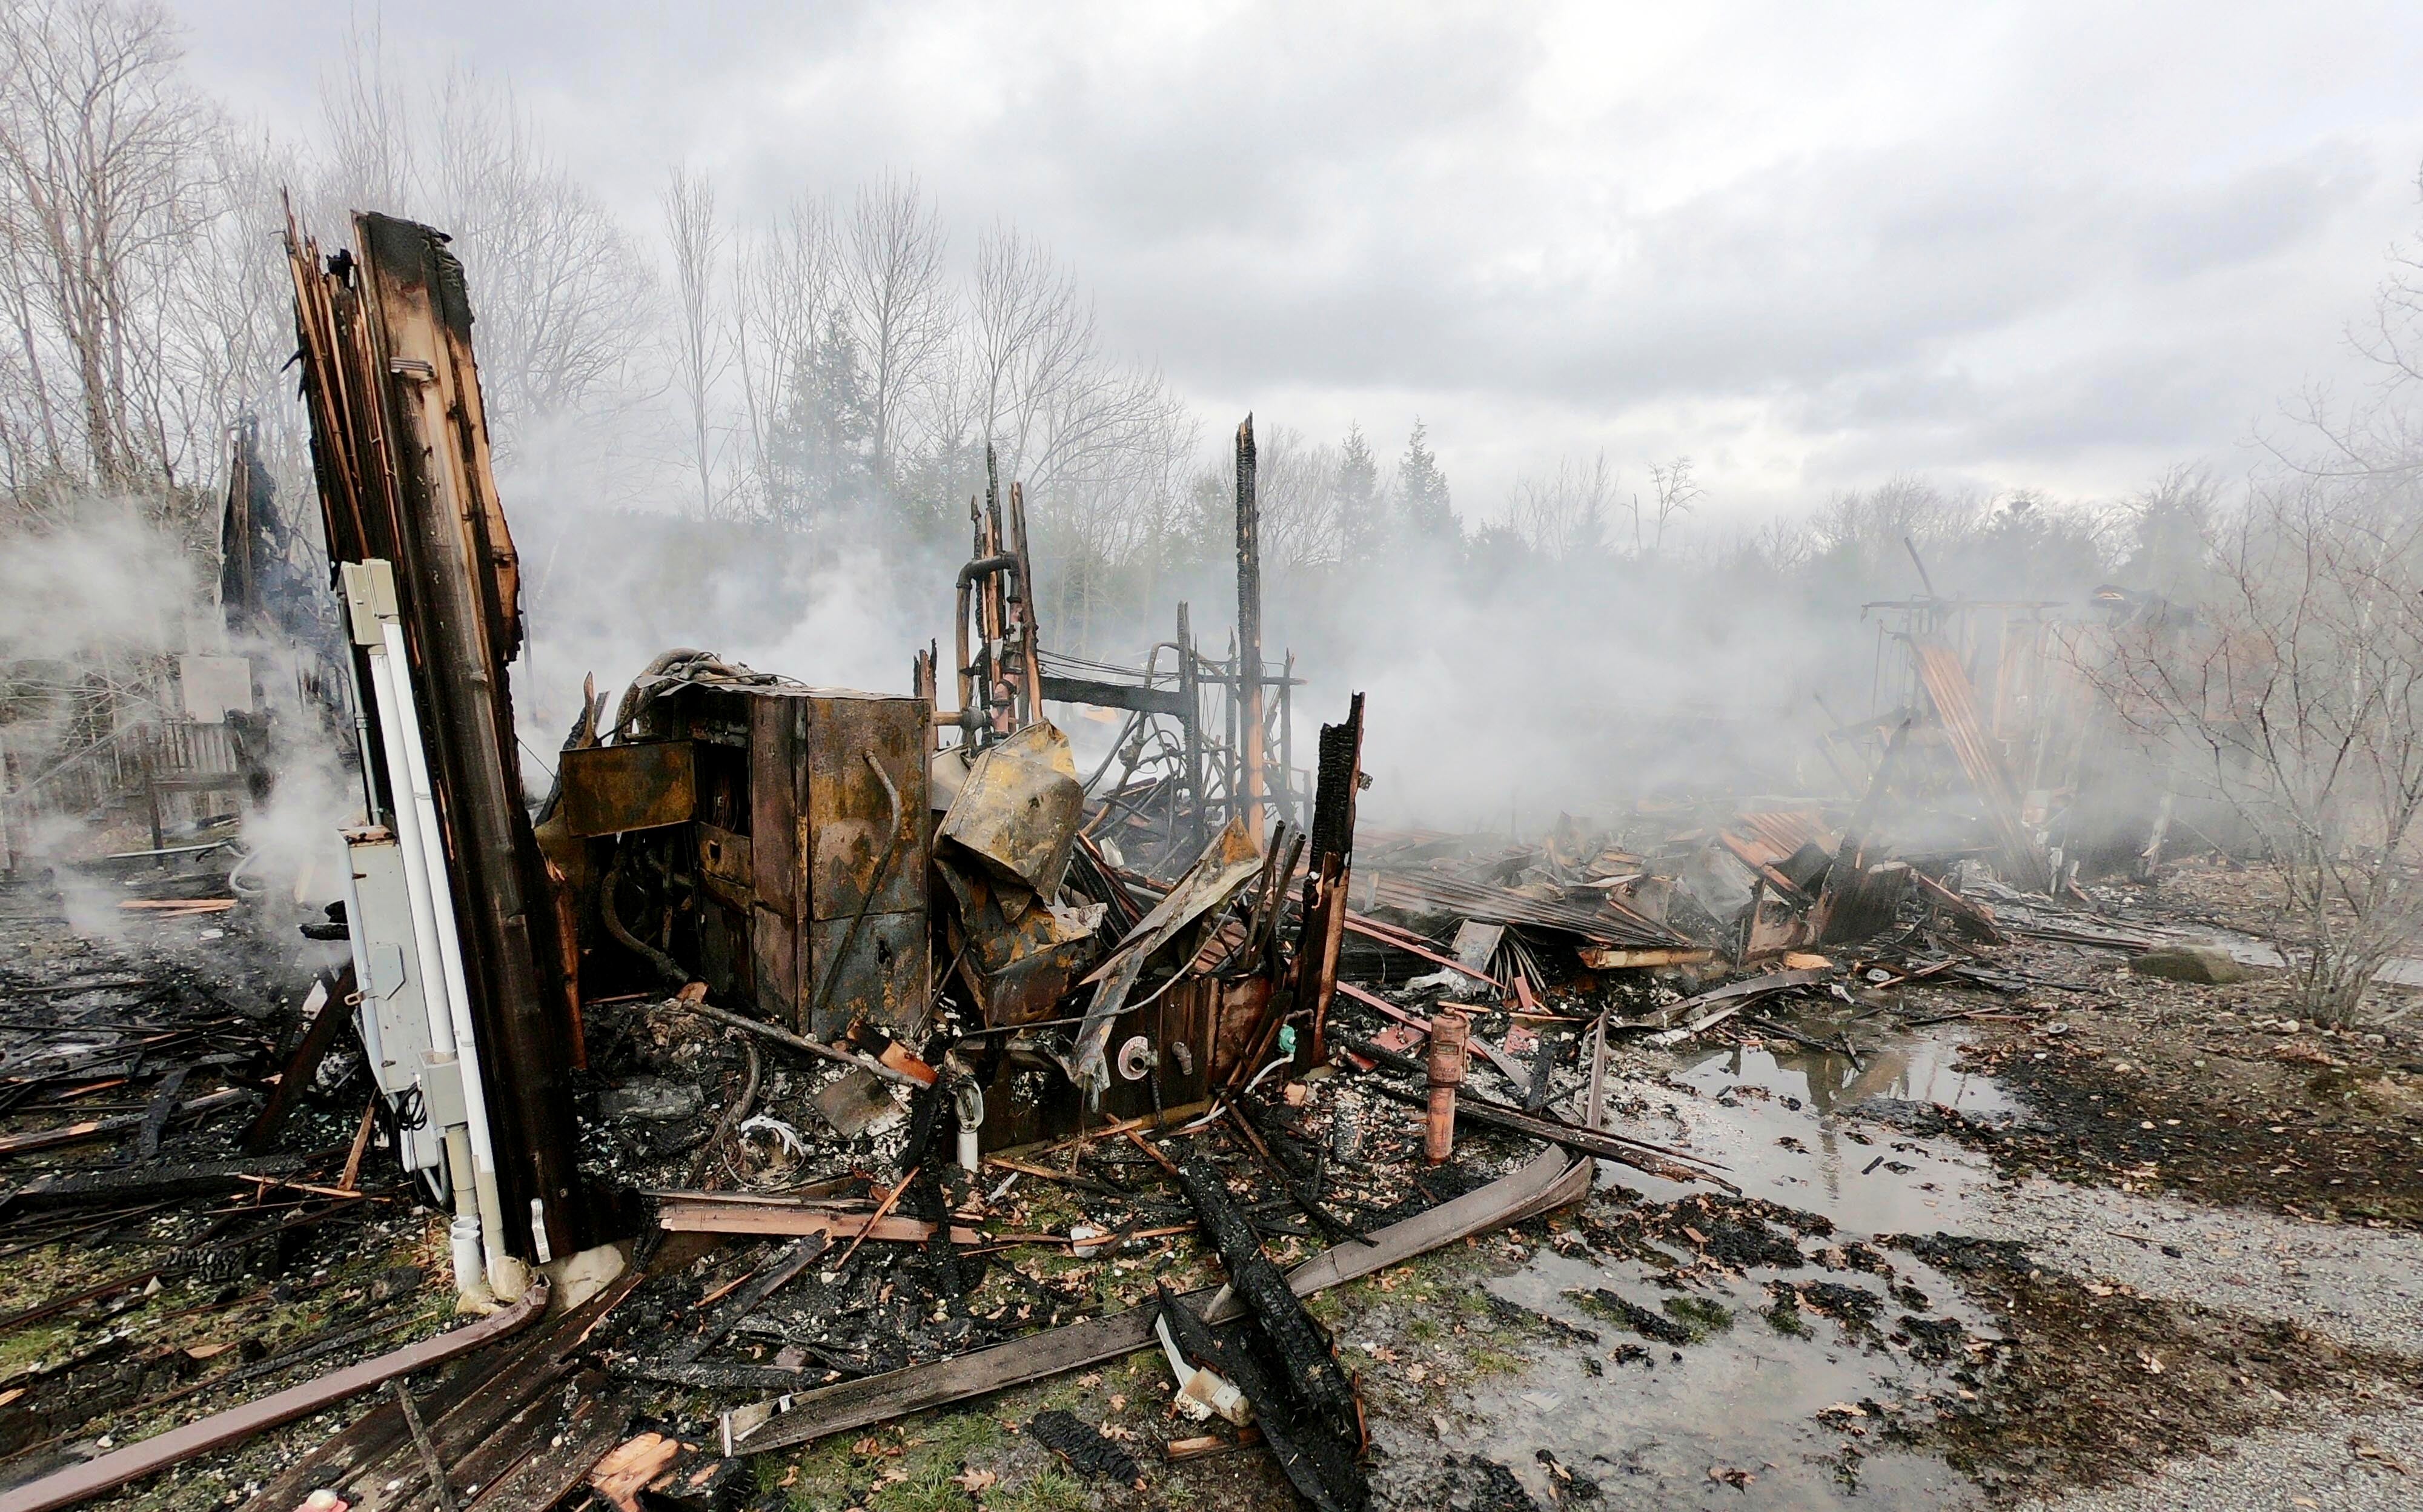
[
  {"x": 1314, "y": 1461},
  {"x": 1114, "y": 695},
  {"x": 1275, "y": 1309},
  {"x": 325, "y": 1012},
  {"x": 1548, "y": 1181}
]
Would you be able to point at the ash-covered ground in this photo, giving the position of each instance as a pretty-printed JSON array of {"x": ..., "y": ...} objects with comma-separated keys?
[{"x": 2103, "y": 1240}]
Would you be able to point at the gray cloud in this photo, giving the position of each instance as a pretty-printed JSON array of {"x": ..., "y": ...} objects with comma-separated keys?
[{"x": 2064, "y": 245}]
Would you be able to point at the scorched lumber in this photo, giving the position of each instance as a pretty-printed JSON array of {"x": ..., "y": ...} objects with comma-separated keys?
[
  {"x": 18, "y": 1144},
  {"x": 1548, "y": 1181},
  {"x": 1275, "y": 1309},
  {"x": 79, "y": 1188},
  {"x": 155, "y": 1453},
  {"x": 1315, "y": 1462}
]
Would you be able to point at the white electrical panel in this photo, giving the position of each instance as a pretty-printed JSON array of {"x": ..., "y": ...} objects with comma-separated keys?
[{"x": 393, "y": 1012}]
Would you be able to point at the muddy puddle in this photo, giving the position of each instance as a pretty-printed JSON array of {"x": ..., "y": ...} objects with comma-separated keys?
[
  {"x": 1775, "y": 1402},
  {"x": 1822, "y": 1131}
]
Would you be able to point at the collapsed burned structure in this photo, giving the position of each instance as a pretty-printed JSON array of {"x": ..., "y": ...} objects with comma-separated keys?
[{"x": 898, "y": 945}]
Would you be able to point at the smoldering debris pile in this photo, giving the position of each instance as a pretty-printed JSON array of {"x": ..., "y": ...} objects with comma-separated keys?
[{"x": 819, "y": 1056}]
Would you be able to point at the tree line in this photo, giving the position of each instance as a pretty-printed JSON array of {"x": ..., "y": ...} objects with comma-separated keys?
[{"x": 844, "y": 372}]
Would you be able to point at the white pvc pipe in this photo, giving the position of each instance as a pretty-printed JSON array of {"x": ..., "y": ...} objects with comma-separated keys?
[
  {"x": 431, "y": 970},
  {"x": 406, "y": 733},
  {"x": 470, "y": 1269}
]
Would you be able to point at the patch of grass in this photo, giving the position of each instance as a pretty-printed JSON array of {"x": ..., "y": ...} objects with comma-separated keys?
[
  {"x": 1053, "y": 1490},
  {"x": 26, "y": 1346},
  {"x": 827, "y": 1474},
  {"x": 957, "y": 1435},
  {"x": 1487, "y": 1362},
  {"x": 1785, "y": 1317},
  {"x": 1424, "y": 1327},
  {"x": 931, "y": 1487}
]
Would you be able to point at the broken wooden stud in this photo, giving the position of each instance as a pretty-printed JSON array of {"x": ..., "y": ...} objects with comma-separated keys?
[{"x": 1450, "y": 1032}]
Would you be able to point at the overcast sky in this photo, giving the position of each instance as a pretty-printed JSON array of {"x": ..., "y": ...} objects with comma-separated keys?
[{"x": 1809, "y": 245}]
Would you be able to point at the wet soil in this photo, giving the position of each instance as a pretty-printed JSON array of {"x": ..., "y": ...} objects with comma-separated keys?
[
  {"x": 2095, "y": 1381},
  {"x": 2215, "y": 1092},
  {"x": 1837, "y": 1334},
  {"x": 1836, "y": 1337}
]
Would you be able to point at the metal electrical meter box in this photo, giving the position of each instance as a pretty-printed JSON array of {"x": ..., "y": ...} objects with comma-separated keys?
[
  {"x": 813, "y": 846},
  {"x": 393, "y": 1013}
]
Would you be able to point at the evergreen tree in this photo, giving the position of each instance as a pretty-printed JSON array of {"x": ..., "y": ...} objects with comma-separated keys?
[
  {"x": 1362, "y": 529},
  {"x": 822, "y": 446},
  {"x": 1422, "y": 501}
]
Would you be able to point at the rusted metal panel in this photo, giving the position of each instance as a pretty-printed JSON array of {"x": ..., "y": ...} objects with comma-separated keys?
[
  {"x": 810, "y": 809},
  {"x": 1776, "y": 834},
  {"x": 774, "y": 961},
  {"x": 1019, "y": 808},
  {"x": 610, "y": 788},
  {"x": 855, "y": 829},
  {"x": 1443, "y": 895},
  {"x": 881, "y": 979},
  {"x": 1227, "y": 865},
  {"x": 723, "y": 784},
  {"x": 1865, "y": 904},
  {"x": 724, "y": 863},
  {"x": 1236, "y": 1015},
  {"x": 777, "y": 792},
  {"x": 723, "y": 959}
]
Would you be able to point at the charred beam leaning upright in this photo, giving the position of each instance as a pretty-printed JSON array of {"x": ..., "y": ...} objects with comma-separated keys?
[
  {"x": 1249, "y": 634},
  {"x": 401, "y": 447}
]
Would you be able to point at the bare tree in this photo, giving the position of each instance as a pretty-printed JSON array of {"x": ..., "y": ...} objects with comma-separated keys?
[
  {"x": 1564, "y": 515},
  {"x": 1032, "y": 340},
  {"x": 565, "y": 300},
  {"x": 782, "y": 299},
  {"x": 370, "y": 129},
  {"x": 894, "y": 285},
  {"x": 1675, "y": 494},
  {"x": 1099, "y": 442},
  {"x": 701, "y": 351},
  {"x": 2294, "y": 696},
  {"x": 106, "y": 179}
]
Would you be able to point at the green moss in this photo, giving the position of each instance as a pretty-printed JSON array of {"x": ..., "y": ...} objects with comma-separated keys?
[
  {"x": 1785, "y": 1317},
  {"x": 1702, "y": 1316}
]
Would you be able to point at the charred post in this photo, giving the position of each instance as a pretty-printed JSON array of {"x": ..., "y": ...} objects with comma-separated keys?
[{"x": 1249, "y": 636}]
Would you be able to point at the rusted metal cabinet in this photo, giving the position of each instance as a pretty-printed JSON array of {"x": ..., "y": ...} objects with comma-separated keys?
[{"x": 812, "y": 841}]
